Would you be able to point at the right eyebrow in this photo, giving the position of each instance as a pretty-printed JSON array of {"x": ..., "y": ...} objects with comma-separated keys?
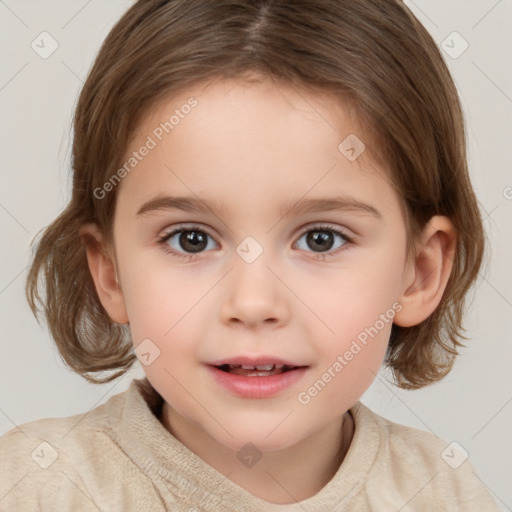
[{"x": 188, "y": 204}]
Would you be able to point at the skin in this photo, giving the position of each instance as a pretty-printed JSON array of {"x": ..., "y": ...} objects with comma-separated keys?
[{"x": 253, "y": 148}]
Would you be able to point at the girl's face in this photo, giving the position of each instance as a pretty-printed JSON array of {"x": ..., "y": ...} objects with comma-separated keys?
[{"x": 287, "y": 247}]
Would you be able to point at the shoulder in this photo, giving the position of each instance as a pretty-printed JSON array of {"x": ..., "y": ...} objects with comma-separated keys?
[
  {"x": 405, "y": 444},
  {"x": 420, "y": 469},
  {"x": 41, "y": 461},
  {"x": 64, "y": 433}
]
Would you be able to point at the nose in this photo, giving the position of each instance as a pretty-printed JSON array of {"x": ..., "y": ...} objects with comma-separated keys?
[{"x": 254, "y": 296}]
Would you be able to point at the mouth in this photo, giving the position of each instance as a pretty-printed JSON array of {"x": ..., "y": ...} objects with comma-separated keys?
[
  {"x": 256, "y": 377},
  {"x": 265, "y": 370}
]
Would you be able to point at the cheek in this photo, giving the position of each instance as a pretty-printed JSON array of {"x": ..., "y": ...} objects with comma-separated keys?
[
  {"x": 349, "y": 361},
  {"x": 355, "y": 298},
  {"x": 337, "y": 386},
  {"x": 166, "y": 310},
  {"x": 362, "y": 335},
  {"x": 156, "y": 298},
  {"x": 358, "y": 306}
]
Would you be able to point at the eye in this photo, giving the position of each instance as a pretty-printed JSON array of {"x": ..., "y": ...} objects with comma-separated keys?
[
  {"x": 323, "y": 239},
  {"x": 187, "y": 241}
]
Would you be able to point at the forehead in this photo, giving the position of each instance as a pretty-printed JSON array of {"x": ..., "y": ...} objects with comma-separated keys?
[
  {"x": 211, "y": 110},
  {"x": 237, "y": 138}
]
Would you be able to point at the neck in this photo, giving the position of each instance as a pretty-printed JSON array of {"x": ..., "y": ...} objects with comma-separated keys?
[{"x": 281, "y": 476}]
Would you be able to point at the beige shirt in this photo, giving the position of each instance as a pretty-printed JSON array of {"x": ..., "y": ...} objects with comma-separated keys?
[{"x": 119, "y": 457}]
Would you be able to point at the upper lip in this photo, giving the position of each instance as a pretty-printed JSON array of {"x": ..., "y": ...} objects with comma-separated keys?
[{"x": 254, "y": 361}]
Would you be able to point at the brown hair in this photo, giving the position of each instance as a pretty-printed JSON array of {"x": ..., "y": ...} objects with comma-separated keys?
[{"x": 374, "y": 53}]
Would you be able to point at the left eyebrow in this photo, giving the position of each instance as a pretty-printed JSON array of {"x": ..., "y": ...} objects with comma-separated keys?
[
  {"x": 328, "y": 204},
  {"x": 194, "y": 204}
]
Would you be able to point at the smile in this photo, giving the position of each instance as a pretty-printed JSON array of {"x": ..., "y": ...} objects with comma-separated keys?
[
  {"x": 255, "y": 371},
  {"x": 262, "y": 381}
]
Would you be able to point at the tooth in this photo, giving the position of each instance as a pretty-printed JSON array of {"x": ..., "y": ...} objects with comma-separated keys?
[
  {"x": 247, "y": 367},
  {"x": 265, "y": 367},
  {"x": 278, "y": 366}
]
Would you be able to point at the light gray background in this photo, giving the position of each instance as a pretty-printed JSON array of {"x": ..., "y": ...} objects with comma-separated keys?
[{"x": 472, "y": 406}]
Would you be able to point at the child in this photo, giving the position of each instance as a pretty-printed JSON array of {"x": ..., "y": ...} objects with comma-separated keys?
[{"x": 217, "y": 146}]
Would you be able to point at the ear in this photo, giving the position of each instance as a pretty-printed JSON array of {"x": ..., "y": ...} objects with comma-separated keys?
[
  {"x": 428, "y": 274},
  {"x": 103, "y": 271}
]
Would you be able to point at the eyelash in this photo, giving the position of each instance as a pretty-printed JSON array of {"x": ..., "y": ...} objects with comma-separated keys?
[{"x": 162, "y": 241}]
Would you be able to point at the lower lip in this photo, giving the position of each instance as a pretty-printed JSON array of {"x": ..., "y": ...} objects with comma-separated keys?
[{"x": 257, "y": 387}]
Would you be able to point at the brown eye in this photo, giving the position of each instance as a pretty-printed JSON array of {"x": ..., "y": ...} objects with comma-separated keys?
[
  {"x": 189, "y": 241},
  {"x": 193, "y": 241},
  {"x": 322, "y": 239}
]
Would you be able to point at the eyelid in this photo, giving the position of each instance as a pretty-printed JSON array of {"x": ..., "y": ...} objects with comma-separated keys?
[
  {"x": 324, "y": 257},
  {"x": 185, "y": 227},
  {"x": 299, "y": 232},
  {"x": 342, "y": 230},
  {"x": 168, "y": 233}
]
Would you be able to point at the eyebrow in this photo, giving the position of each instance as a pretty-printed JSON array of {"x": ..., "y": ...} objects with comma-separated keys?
[
  {"x": 197, "y": 205},
  {"x": 187, "y": 204},
  {"x": 327, "y": 204}
]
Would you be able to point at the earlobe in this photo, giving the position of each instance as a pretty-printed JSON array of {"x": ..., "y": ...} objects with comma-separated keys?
[
  {"x": 103, "y": 272},
  {"x": 430, "y": 272}
]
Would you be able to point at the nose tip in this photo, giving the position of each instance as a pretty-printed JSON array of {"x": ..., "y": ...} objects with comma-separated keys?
[{"x": 253, "y": 296}]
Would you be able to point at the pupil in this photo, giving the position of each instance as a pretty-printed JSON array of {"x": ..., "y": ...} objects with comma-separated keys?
[
  {"x": 193, "y": 241},
  {"x": 321, "y": 239}
]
